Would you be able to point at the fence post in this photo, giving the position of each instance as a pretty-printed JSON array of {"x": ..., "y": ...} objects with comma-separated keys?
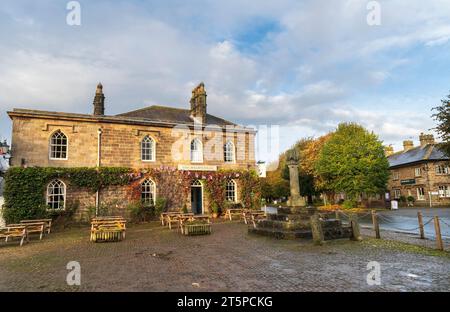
[
  {"x": 376, "y": 226},
  {"x": 422, "y": 232},
  {"x": 437, "y": 228},
  {"x": 316, "y": 228},
  {"x": 355, "y": 228}
]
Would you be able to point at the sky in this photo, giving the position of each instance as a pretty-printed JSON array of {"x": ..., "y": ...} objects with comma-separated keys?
[{"x": 301, "y": 66}]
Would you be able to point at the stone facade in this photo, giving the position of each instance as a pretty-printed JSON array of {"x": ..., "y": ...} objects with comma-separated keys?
[
  {"x": 115, "y": 141},
  {"x": 421, "y": 172}
]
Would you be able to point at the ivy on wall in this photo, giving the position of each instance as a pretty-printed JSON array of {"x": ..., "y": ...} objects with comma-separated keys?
[{"x": 25, "y": 188}]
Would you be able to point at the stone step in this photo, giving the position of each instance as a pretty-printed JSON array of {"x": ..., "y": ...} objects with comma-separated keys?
[
  {"x": 297, "y": 210},
  {"x": 287, "y": 226},
  {"x": 280, "y": 234}
]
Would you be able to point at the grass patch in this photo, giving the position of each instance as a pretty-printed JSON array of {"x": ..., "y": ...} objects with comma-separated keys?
[{"x": 401, "y": 246}]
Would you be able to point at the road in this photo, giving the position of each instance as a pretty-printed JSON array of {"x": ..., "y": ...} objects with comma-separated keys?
[{"x": 405, "y": 219}]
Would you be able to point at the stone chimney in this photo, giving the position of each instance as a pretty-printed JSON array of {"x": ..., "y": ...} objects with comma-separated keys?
[
  {"x": 99, "y": 101},
  {"x": 388, "y": 150},
  {"x": 198, "y": 104},
  {"x": 426, "y": 139},
  {"x": 407, "y": 145}
]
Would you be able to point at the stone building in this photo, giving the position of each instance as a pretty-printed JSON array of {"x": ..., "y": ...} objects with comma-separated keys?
[
  {"x": 421, "y": 172},
  {"x": 182, "y": 140}
]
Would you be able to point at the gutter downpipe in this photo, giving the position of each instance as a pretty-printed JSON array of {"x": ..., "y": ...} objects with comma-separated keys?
[{"x": 97, "y": 194}]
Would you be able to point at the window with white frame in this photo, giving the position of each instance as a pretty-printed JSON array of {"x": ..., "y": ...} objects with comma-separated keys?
[
  {"x": 196, "y": 151},
  {"x": 418, "y": 172},
  {"x": 395, "y": 175},
  {"x": 148, "y": 149},
  {"x": 442, "y": 169},
  {"x": 56, "y": 195},
  {"x": 228, "y": 152},
  {"x": 148, "y": 192},
  {"x": 230, "y": 191},
  {"x": 397, "y": 194},
  {"x": 420, "y": 193},
  {"x": 58, "y": 145},
  {"x": 444, "y": 191}
]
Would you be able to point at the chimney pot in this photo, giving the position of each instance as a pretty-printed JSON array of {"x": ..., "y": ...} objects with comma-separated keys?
[
  {"x": 407, "y": 145},
  {"x": 426, "y": 139},
  {"x": 99, "y": 101}
]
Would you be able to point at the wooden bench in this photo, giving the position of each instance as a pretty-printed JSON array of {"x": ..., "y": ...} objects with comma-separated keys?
[
  {"x": 35, "y": 227},
  {"x": 108, "y": 229},
  {"x": 249, "y": 214},
  {"x": 47, "y": 222},
  {"x": 163, "y": 216},
  {"x": 14, "y": 231},
  {"x": 177, "y": 218},
  {"x": 256, "y": 217},
  {"x": 233, "y": 212}
]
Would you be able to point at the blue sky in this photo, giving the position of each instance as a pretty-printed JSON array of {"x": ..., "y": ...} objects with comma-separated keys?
[{"x": 302, "y": 65}]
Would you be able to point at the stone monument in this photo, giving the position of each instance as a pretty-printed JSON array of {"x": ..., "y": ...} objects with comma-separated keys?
[
  {"x": 298, "y": 221},
  {"x": 295, "y": 200}
]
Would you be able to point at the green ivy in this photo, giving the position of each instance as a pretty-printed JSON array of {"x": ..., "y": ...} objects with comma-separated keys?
[{"x": 25, "y": 187}]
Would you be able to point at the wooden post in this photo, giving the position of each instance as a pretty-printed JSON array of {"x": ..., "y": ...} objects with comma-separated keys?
[
  {"x": 355, "y": 228},
  {"x": 376, "y": 226},
  {"x": 422, "y": 232},
  {"x": 437, "y": 228},
  {"x": 316, "y": 229},
  {"x": 336, "y": 212}
]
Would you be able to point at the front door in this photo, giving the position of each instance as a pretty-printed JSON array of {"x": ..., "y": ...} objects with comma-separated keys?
[{"x": 196, "y": 199}]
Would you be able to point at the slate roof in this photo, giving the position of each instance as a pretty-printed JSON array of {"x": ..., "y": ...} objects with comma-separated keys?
[
  {"x": 428, "y": 152},
  {"x": 172, "y": 115}
]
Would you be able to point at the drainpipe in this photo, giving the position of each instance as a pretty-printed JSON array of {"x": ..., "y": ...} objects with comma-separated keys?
[{"x": 97, "y": 195}]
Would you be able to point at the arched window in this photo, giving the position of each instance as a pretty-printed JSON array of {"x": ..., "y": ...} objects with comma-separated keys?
[
  {"x": 196, "y": 150},
  {"x": 58, "y": 145},
  {"x": 56, "y": 194},
  {"x": 148, "y": 149},
  {"x": 230, "y": 191},
  {"x": 148, "y": 192},
  {"x": 228, "y": 152}
]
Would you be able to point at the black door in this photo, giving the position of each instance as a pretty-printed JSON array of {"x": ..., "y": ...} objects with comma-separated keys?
[{"x": 196, "y": 199}]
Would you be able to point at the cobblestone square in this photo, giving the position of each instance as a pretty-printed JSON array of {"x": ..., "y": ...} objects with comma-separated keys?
[{"x": 153, "y": 258}]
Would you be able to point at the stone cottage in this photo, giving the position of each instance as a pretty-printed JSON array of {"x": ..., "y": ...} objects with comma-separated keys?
[
  {"x": 153, "y": 141},
  {"x": 420, "y": 172}
]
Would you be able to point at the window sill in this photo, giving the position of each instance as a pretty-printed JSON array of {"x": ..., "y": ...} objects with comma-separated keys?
[{"x": 58, "y": 158}]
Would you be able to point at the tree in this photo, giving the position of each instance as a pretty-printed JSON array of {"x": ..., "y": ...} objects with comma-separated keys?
[
  {"x": 442, "y": 116},
  {"x": 353, "y": 161}
]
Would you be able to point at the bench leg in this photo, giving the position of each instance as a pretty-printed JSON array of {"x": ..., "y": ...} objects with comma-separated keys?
[{"x": 21, "y": 240}]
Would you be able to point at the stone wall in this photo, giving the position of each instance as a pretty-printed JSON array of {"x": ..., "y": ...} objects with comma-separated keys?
[
  {"x": 120, "y": 144},
  {"x": 428, "y": 179}
]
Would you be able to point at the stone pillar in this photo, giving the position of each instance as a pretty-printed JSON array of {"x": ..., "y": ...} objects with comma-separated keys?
[
  {"x": 295, "y": 199},
  {"x": 316, "y": 229}
]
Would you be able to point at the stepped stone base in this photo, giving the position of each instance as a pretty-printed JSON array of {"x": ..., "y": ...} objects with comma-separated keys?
[{"x": 294, "y": 222}]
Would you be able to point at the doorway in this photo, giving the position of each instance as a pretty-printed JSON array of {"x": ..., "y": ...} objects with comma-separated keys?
[{"x": 197, "y": 197}]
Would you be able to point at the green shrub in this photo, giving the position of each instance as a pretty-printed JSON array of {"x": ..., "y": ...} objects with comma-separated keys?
[
  {"x": 402, "y": 199},
  {"x": 160, "y": 205},
  {"x": 410, "y": 199},
  {"x": 349, "y": 204}
]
